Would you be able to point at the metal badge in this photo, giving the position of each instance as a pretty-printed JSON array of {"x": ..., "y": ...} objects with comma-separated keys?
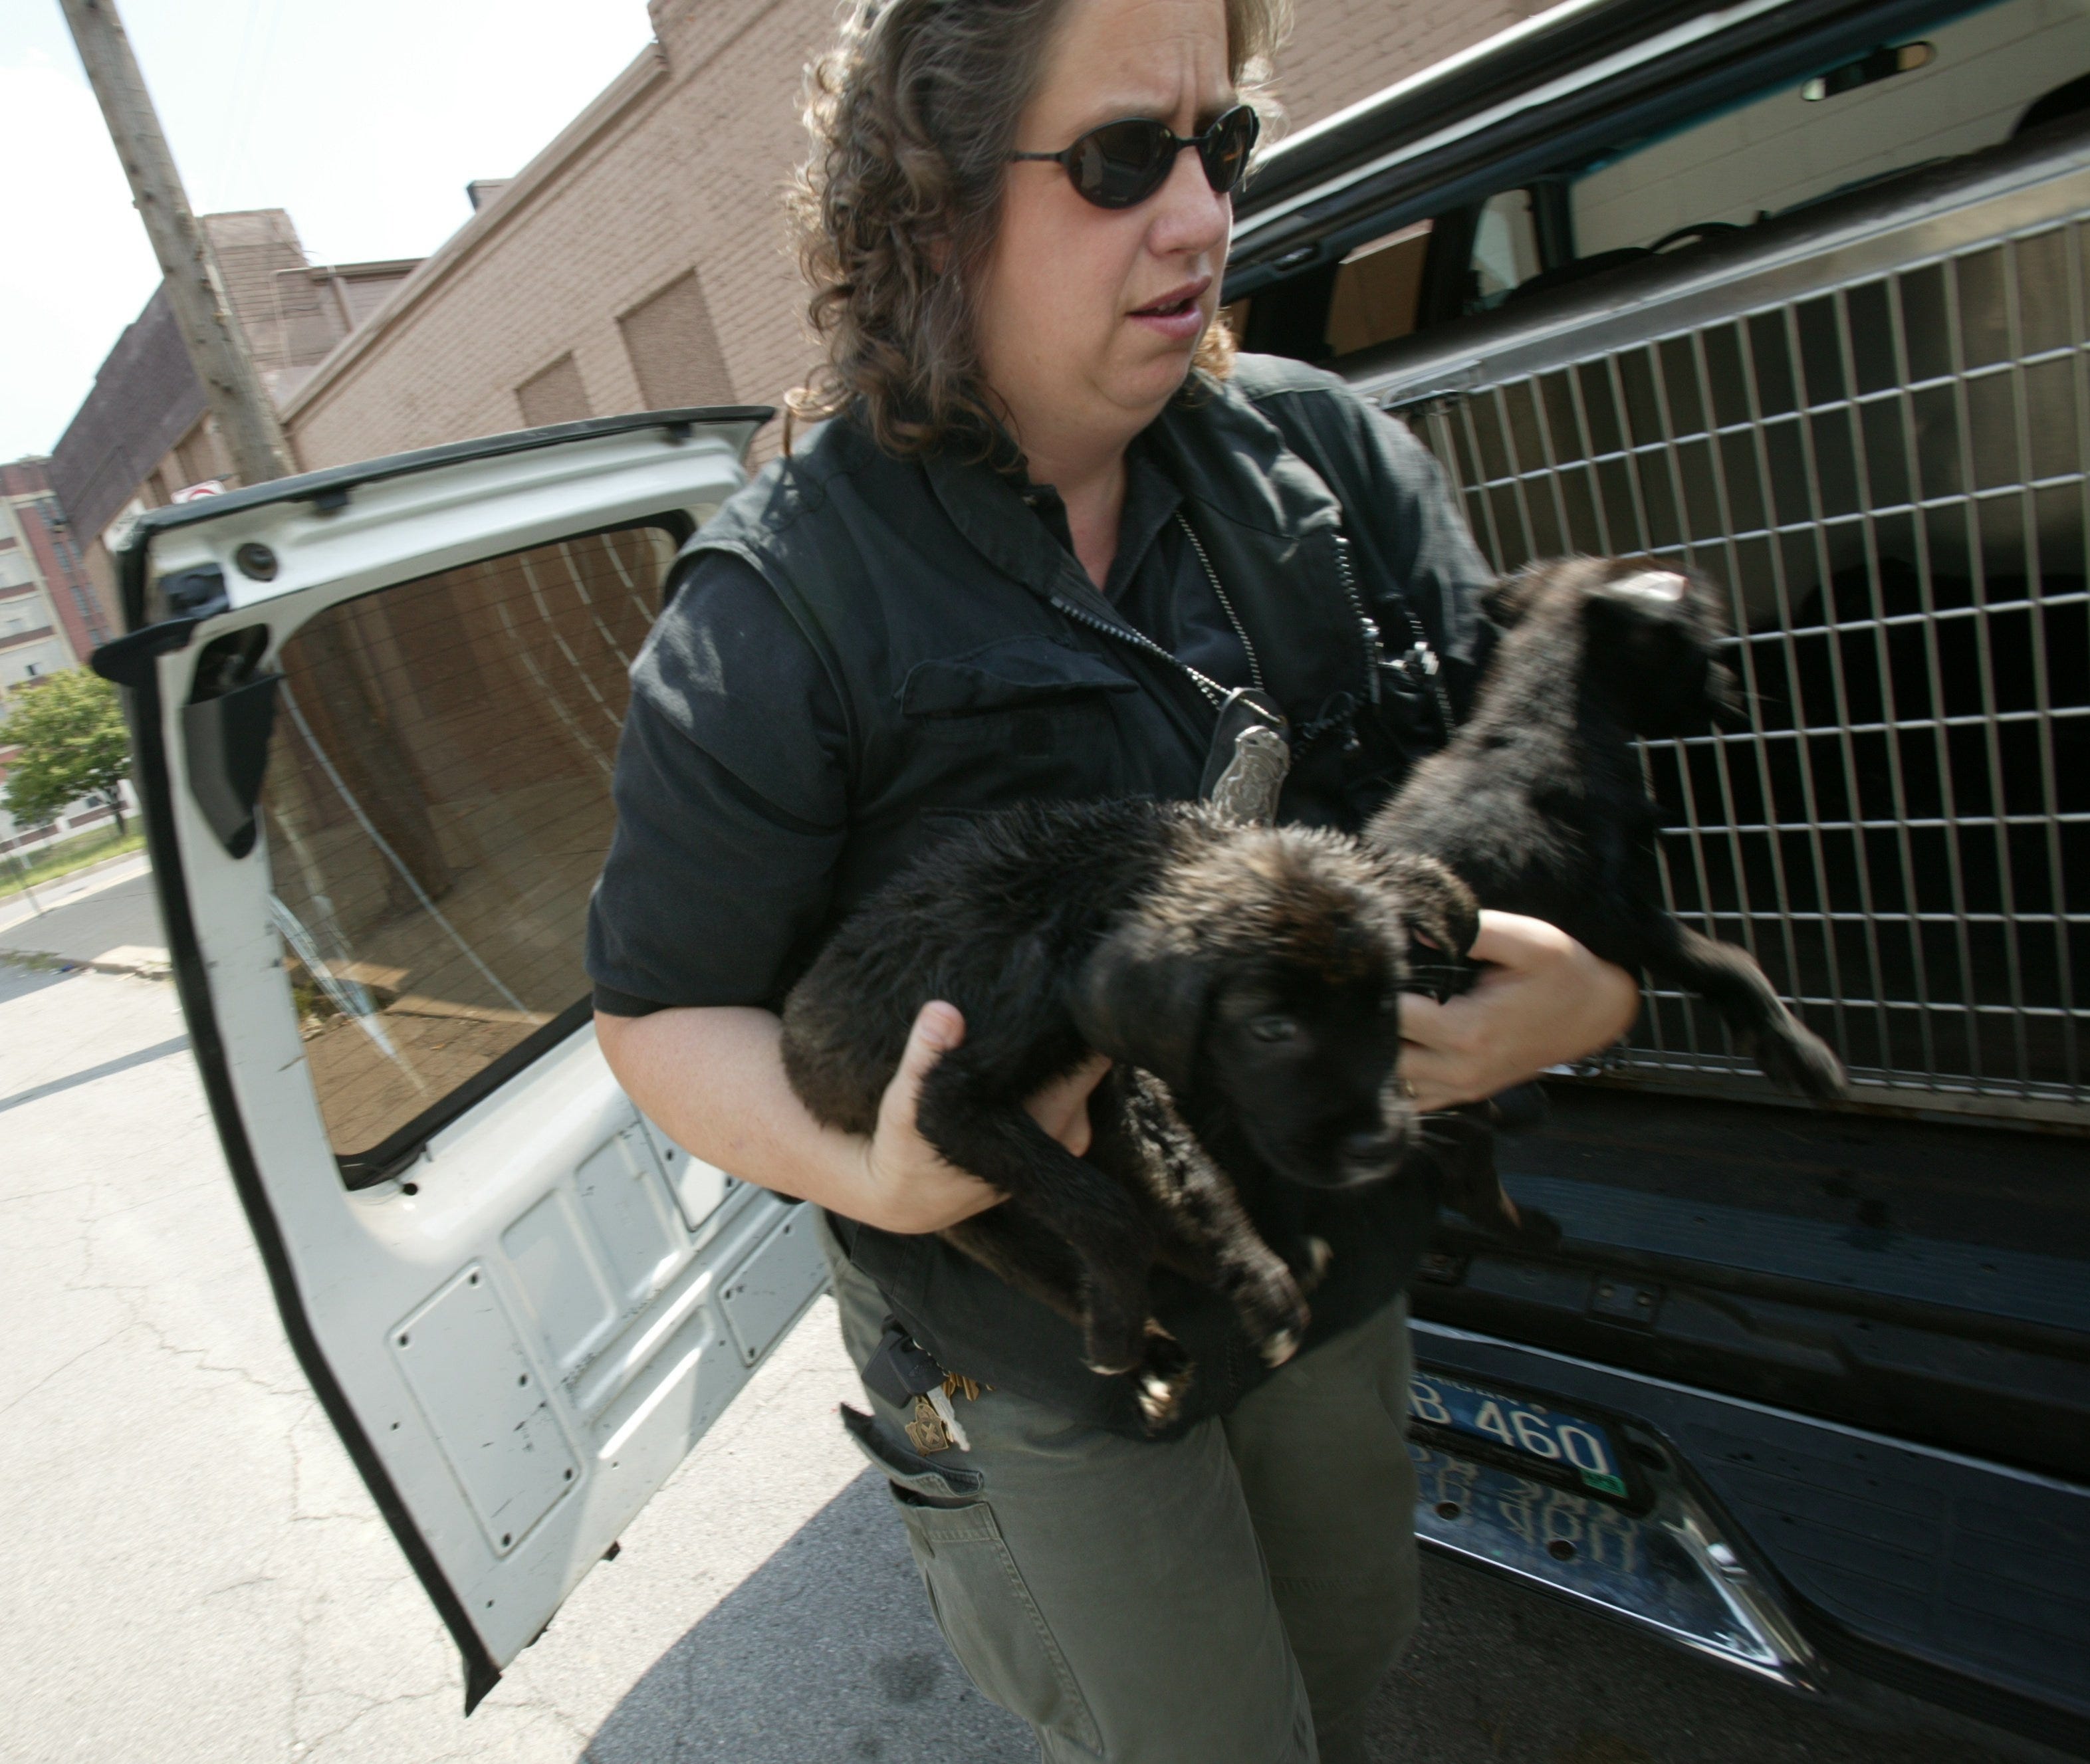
[
  {"x": 1246, "y": 770},
  {"x": 1248, "y": 789}
]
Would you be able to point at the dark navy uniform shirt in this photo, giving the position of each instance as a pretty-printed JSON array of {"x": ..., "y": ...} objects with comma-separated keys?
[
  {"x": 863, "y": 649},
  {"x": 709, "y": 890}
]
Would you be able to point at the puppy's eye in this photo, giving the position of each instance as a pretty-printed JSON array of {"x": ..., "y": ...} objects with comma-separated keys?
[{"x": 1273, "y": 1027}]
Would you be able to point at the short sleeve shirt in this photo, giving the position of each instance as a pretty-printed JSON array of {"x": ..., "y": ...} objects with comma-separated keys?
[{"x": 732, "y": 783}]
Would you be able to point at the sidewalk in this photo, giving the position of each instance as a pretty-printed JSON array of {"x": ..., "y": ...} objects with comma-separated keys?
[{"x": 105, "y": 918}]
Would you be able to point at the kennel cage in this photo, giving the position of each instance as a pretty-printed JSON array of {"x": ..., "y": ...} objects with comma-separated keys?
[{"x": 1870, "y": 425}]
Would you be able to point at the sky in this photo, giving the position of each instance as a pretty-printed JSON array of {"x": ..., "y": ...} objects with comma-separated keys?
[{"x": 365, "y": 121}]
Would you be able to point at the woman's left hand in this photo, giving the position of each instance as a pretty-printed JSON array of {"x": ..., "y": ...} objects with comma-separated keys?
[{"x": 1545, "y": 999}]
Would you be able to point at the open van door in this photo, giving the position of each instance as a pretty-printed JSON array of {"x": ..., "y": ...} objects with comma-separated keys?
[{"x": 375, "y": 712}]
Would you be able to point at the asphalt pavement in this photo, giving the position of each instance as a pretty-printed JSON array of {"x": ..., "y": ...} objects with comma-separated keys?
[
  {"x": 106, "y": 918},
  {"x": 190, "y": 1570}
]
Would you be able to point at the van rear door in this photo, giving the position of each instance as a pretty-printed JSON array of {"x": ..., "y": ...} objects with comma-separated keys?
[{"x": 375, "y": 712}]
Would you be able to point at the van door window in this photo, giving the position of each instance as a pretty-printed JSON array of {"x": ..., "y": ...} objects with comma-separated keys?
[{"x": 437, "y": 808}]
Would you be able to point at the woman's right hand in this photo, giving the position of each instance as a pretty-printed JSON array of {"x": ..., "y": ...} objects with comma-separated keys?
[{"x": 909, "y": 1186}]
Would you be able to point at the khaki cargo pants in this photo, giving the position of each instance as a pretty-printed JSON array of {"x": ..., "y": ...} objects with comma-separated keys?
[{"x": 1232, "y": 1597}]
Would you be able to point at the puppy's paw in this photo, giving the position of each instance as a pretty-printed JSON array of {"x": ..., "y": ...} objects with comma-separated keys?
[
  {"x": 1282, "y": 1326},
  {"x": 1272, "y": 1311},
  {"x": 1108, "y": 1356},
  {"x": 1305, "y": 1259},
  {"x": 1800, "y": 1060},
  {"x": 1115, "y": 1340},
  {"x": 1275, "y": 1314},
  {"x": 1161, "y": 1382},
  {"x": 1279, "y": 1346}
]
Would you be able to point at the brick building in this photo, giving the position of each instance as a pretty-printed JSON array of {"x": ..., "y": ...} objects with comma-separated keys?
[
  {"x": 143, "y": 433},
  {"x": 640, "y": 261},
  {"x": 51, "y": 616}
]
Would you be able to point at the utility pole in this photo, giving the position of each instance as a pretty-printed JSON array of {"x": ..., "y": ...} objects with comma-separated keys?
[
  {"x": 22, "y": 871},
  {"x": 246, "y": 417}
]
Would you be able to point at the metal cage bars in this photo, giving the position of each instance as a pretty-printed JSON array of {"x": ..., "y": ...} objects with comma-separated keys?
[{"x": 1901, "y": 864}]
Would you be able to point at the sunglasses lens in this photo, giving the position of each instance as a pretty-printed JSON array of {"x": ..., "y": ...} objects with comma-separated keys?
[
  {"x": 1225, "y": 149},
  {"x": 1122, "y": 164}
]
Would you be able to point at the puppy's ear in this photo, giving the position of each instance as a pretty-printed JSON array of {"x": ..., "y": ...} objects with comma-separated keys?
[
  {"x": 1653, "y": 638},
  {"x": 1624, "y": 592},
  {"x": 1142, "y": 1001},
  {"x": 1635, "y": 644},
  {"x": 1437, "y": 906}
]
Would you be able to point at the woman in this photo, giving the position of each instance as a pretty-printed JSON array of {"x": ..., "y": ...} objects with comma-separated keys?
[{"x": 1052, "y": 523}]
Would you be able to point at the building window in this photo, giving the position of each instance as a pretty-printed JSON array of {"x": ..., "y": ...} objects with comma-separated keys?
[
  {"x": 674, "y": 351},
  {"x": 90, "y": 614},
  {"x": 553, "y": 394}
]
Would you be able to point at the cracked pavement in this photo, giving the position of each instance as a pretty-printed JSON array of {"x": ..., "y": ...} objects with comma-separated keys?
[{"x": 190, "y": 1570}]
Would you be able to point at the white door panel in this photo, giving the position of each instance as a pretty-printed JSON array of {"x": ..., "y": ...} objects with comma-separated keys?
[
  {"x": 520, "y": 1302},
  {"x": 760, "y": 1296},
  {"x": 477, "y": 1393},
  {"x": 699, "y": 1188}
]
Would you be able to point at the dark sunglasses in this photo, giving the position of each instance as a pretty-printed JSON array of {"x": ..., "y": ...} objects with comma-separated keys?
[{"x": 1122, "y": 164}]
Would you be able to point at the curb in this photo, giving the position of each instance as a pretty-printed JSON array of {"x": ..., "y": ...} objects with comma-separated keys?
[
  {"x": 140, "y": 963},
  {"x": 85, "y": 873}
]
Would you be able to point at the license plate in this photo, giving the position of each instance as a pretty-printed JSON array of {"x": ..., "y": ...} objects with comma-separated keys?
[{"x": 1535, "y": 1436}]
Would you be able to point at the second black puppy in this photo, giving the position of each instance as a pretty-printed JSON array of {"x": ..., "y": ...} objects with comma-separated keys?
[
  {"x": 1537, "y": 803},
  {"x": 1255, "y": 972}
]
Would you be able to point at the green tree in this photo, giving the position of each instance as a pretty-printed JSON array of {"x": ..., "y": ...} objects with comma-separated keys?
[{"x": 70, "y": 729}]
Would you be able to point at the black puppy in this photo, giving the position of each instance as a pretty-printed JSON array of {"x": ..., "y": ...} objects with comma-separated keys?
[
  {"x": 1253, "y": 972},
  {"x": 1537, "y": 803}
]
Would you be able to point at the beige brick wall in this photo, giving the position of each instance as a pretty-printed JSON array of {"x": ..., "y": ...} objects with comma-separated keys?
[
  {"x": 680, "y": 166},
  {"x": 1343, "y": 50},
  {"x": 252, "y": 247}
]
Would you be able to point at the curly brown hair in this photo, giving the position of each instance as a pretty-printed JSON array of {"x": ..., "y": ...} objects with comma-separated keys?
[{"x": 913, "y": 114}]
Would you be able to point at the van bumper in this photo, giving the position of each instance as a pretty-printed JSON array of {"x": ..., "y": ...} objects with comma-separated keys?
[{"x": 1803, "y": 1551}]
